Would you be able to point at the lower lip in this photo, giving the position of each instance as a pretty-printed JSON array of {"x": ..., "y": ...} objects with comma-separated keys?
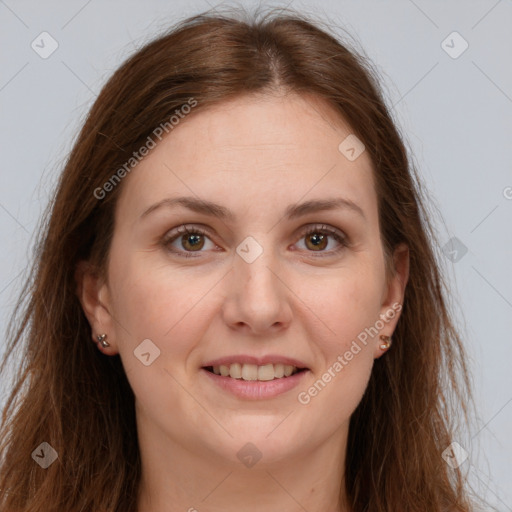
[{"x": 256, "y": 389}]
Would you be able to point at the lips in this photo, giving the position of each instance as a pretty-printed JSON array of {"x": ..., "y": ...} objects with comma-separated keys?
[
  {"x": 251, "y": 376},
  {"x": 254, "y": 389}
]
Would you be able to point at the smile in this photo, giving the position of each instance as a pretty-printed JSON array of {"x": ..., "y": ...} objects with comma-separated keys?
[
  {"x": 254, "y": 382},
  {"x": 252, "y": 372}
]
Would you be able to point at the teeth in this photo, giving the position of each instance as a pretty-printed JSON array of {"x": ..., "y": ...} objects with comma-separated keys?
[
  {"x": 254, "y": 372},
  {"x": 266, "y": 372},
  {"x": 249, "y": 372},
  {"x": 279, "y": 371},
  {"x": 235, "y": 371}
]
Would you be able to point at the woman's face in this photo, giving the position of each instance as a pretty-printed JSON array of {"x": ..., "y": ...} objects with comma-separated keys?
[{"x": 251, "y": 286}]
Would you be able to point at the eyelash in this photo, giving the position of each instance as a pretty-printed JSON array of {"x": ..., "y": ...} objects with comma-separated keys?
[{"x": 316, "y": 229}]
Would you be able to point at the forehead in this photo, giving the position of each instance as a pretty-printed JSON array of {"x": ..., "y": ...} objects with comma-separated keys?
[{"x": 254, "y": 149}]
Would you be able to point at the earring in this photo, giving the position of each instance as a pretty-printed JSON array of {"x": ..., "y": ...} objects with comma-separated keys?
[
  {"x": 102, "y": 339},
  {"x": 386, "y": 342}
]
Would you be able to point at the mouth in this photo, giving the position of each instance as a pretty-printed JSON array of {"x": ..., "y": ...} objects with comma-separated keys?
[
  {"x": 253, "y": 372},
  {"x": 255, "y": 382}
]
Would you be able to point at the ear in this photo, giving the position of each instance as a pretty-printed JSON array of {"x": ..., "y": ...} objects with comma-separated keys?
[
  {"x": 393, "y": 296},
  {"x": 94, "y": 296}
]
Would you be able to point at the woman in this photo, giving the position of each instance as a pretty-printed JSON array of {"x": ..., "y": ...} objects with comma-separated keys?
[{"x": 240, "y": 234}]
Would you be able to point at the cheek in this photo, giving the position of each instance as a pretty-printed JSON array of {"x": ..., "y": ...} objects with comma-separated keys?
[
  {"x": 348, "y": 303},
  {"x": 349, "y": 306},
  {"x": 146, "y": 298},
  {"x": 350, "y": 310},
  {"x": 168, "y": 307},
  {"x": 152, "y": 303}
]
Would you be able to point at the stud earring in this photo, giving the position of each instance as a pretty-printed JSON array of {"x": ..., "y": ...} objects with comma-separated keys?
[
  {"x": 386, "y": 342},
  {"x": 102, "y": 338}
]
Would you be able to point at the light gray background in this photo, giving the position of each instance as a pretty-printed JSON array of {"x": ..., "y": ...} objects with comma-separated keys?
[{"x": 456, "y": 114}]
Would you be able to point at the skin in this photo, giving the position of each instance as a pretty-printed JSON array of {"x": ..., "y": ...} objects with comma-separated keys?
[{"x": 254, "y": 155}]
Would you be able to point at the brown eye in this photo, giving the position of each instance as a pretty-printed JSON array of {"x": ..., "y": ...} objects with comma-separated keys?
[
  {"x": 186, "y": 240},
  {"x": 316, "y": 241},
  {"x": 192, "y": 241},
  {"x": 318, "y": 238}
]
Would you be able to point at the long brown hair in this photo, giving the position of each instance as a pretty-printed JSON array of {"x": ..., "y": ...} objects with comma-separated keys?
[{"x": 68, "y": 394}]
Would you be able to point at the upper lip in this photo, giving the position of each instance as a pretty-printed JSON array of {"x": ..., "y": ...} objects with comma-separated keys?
[{"x": 259, "y": 361}]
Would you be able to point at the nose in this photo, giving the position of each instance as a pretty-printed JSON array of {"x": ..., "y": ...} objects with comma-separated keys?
[{"x": 257, "y": 296}]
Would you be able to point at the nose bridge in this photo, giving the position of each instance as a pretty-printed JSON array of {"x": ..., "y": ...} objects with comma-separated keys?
[
  {"x": 257, "y": 296},
  {"x": 252, "y": 267}
]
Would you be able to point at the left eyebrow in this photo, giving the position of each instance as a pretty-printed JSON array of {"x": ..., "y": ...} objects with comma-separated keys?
[
  {"x": 299, "y": 210},
  {"x": 293, "y": 211}
]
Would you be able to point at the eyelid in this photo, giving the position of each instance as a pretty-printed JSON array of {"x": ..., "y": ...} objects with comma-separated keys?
[{"x": 342, "y": 239}]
